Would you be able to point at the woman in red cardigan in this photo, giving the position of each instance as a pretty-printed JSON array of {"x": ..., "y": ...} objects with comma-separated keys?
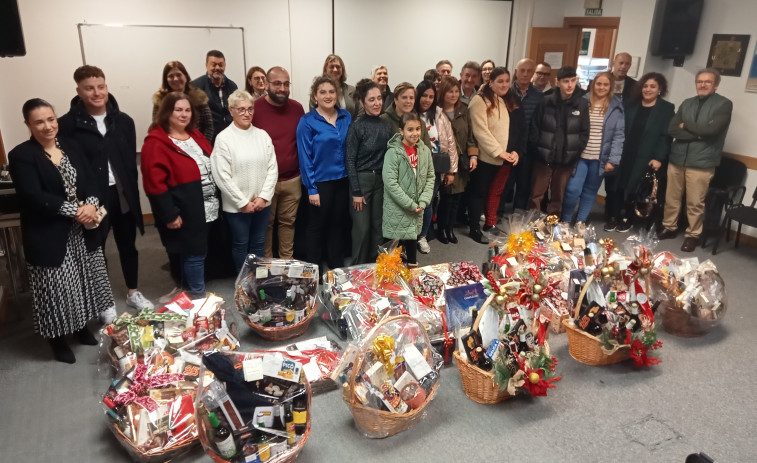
[{"x": 178, "y": 182}]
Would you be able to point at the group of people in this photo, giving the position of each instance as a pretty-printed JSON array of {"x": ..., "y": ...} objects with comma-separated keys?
[{"x": 390, "y": 161}]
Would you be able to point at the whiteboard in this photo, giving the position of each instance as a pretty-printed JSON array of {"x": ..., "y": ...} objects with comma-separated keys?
[
  {"x": 411, "y": 36},
  {"x": 132, "y": 58}
]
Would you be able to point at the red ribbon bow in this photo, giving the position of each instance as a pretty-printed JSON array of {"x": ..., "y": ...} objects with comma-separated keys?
[{"x": 140, "y": 386}]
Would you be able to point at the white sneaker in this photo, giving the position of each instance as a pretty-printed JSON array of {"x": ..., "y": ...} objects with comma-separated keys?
[
  {"x": 139, "y": 301},
  {"x": 166, "y": 298},
  {"x": 108, "y": 315},
  {"x": 423, "y": 246}
]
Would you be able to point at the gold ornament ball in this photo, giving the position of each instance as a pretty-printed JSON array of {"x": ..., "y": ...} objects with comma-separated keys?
[
  {"x": 605, "y": 271},
  {"x": 601, "y": 242},
  {"x": 533, "y": 378},
  {"x": 538, "y": 288},
  {"x": 607, "y": 278},
  {"x": 502, "y": 291},
  {"x": 535, "y": 297},
  {"x": 644, "y": 270},
  {"x": 500, "y": 300}
]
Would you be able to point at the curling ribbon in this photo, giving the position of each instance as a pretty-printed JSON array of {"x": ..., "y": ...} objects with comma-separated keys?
[{"x": 141, "y": 384}]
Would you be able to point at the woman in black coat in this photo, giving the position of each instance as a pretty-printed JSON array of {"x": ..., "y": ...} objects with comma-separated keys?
[
  {"x": 647, "y": 147},
  {"x": 59, "y": 217}
]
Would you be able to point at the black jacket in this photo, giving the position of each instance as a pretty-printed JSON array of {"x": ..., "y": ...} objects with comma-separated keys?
[
  {"x": 220, "y": 109},
  {"x": 41, "y": 192},
  {"x": 119, "y": 146},
  {"x": 559, "y": 129}
]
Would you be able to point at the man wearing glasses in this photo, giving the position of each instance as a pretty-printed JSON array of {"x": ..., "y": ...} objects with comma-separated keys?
[
  {"x": 541, "y": 77},
  {"x": 699, "y": 128},
  {"x": 278, "y": 116},
  {"x": 218, "y": 87}
]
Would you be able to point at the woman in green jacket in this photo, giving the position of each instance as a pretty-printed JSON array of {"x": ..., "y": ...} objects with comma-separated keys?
[
  {"x": 647, "y": 146},
  {"x": 408, "y": 175}
]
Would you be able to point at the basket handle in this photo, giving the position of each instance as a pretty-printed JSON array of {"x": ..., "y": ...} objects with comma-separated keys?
[
  {"x": 582, "y": 295},
  {"x": 481, "y": 311}
]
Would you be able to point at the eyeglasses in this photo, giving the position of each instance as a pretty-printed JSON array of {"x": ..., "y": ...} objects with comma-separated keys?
[
  {"x": 278, "y": 83},
  {"x": 245, "y": 110},
  {"x": 542, "y": 74},
  {"x": 705, "y": 82}
]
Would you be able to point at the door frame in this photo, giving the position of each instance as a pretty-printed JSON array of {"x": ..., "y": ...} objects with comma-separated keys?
[{"x": 582, "y": 22}]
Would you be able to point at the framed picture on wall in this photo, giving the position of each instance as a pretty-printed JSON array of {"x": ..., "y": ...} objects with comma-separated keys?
[
  {"x": 751, "y": 81},
  {"x": 727, "y": 53}
]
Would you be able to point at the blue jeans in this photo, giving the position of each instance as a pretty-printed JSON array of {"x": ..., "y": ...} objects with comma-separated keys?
[
  {"x": 583, "y": 186},
  {"x": 428, "y": 212},
  {"x": 194, "y": 271},
  {"x": 247, "y": 234}
]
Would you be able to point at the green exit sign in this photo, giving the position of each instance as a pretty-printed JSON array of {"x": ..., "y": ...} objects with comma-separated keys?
[{"x": 593, "y": 12}]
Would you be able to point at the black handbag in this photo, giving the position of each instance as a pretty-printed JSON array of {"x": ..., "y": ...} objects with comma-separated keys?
[
  {"x": 441, "y": 162},
  {"x": 645, "y": 196}
]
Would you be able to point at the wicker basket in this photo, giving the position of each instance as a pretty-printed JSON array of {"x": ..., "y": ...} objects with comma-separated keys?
[
  {"x": 478, "y": 384},
  {"x": 586, "y": 348},
  {"x": 382, "y": 423},
  {"x": 289, "y": 457},
  {"x": 277, "y": 333},
  {"x": 166, "y": 454}
]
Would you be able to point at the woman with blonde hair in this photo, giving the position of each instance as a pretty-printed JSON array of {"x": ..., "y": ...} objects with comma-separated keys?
[
  {"x": 603, "y": 151},
  {"x": 334, "y": 69}
]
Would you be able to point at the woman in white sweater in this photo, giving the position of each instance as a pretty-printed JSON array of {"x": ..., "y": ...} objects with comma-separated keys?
[{"x": 245, "y": 170}]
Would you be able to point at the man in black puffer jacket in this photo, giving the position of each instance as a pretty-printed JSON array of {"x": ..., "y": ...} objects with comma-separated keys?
[
  {"x": 558, "y": 134},
  {"x": 108, "y": 139}
]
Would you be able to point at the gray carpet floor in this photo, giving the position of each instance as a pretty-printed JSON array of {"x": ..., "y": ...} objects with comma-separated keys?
[{"x": 700, "y": 398}]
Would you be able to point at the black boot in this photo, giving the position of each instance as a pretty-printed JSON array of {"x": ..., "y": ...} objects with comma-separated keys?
[
  {"x": 450, "y": 232},
  {"x": 477, "y": 236},
  {"x": 86, "y": 338},
  {"x": 441, "y": 235},
  {"x": 61, "y": 351}
]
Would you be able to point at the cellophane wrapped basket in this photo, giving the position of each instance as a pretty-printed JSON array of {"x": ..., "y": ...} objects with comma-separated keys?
[
  {"x": 151, "y": 364},
  {"x": 252, "y": 406},
  {"x": 390, "y": 378},
  {"x": 277, "y": 297},
  {"x": 693, "y": 295}
]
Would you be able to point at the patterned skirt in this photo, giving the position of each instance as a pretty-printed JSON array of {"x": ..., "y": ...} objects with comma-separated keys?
[{"x": 66, "y": 297}]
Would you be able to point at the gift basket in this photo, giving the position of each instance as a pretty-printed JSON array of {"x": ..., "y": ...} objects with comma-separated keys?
[
  {"x": 693, "y": 296},
  {"x": 277, "y": 296},
  {"x": 390, "y": 378},
  {"x": 613, "y": 317},
  {"x": 356, "y": 299},
  {"x": 505, "y": 350},
  {"x": 151, "y": 362},
  {"x": 252, "y": 407}
]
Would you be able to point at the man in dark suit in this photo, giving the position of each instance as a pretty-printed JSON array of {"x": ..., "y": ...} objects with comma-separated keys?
[{"x": 218, "y": 87}]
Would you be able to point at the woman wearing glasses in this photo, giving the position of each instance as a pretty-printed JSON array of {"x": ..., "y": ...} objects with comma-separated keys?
[
  {"x": 245, "y": 170},
  {"x": 255, "y": 82}
]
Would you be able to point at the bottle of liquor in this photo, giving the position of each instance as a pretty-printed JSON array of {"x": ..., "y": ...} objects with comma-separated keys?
[
  {"x": 289, "y": 420},
  {"x": 300, "y": 416},
  {"x": 265, "y": 309},
  {"x": 222, "y": 437},
  {"x": 484, "y": 362},
  {"x": 289, "y": 316},
  {"x": 300, "y": 307}
]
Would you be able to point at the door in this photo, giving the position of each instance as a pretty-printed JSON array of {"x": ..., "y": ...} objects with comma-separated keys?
[{"x": 557, "y": 46}]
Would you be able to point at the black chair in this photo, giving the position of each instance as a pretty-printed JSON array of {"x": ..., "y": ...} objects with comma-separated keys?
[
  {"x": 726, "y": 189},
  {"x": 699, "y": 458},
  {"x": 740, "y": 213}
]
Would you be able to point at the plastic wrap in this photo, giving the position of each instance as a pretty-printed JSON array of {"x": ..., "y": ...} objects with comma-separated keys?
[
  {"x": 276, "y": 293},
  {"x": 150, "y": 364},
  {"x": 693, "y": 295},
  {"x": 319, "y": 358},
  {"x": 252, "y": 406},
  {"x": 390, "y": 377}
]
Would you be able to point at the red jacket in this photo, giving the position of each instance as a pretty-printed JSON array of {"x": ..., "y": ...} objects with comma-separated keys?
[{"x": 171, "y": 179}]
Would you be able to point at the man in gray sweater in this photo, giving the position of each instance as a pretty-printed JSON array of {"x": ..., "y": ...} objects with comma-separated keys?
[{"x": 699, "y": 128}]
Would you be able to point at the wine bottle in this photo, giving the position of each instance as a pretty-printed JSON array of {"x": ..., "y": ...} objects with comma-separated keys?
[
  {"x": 300, "y": 415},
  {"x": 222, "y": 437},
  {"x": 484, "y": 362},
  {"x": 289, "y": 315},
  {"x": 265, "y": 309},
  {"x": 289, "y": 420}
]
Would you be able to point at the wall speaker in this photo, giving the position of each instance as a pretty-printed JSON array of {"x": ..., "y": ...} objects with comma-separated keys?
[
  {"x": 11, "y": 35},
  {"x": 675, "y": 25}
]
